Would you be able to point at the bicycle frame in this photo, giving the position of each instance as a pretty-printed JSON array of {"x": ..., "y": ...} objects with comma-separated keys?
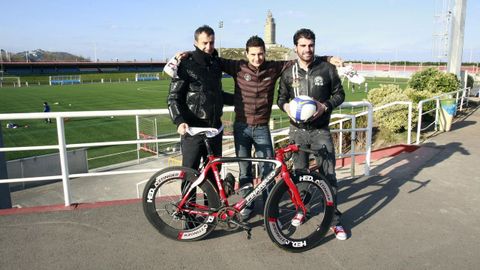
[
  {"x": 186, "y": 204},
  {"x": 212, "y": 165}
]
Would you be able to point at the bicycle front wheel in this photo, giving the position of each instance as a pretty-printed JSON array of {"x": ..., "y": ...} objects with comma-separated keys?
[
  {"x": 162, "y": 194},
  {"x": 317, "y": 196}
]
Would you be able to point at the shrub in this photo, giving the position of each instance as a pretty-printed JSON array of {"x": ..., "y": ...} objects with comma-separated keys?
[
  {"x": 434, "y": 81},
  {"x": 419, "y": 80},
  {"x": 416, "y": 96},
  {"x": 394, "y": 118},
  {"x": 470, "y": 81}
]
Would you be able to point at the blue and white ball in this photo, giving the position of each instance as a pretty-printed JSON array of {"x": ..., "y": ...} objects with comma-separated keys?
[{"x": 302, "y": 108}]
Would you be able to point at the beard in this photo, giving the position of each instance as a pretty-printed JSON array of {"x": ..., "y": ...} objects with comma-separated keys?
[{"x": 307, "y": 57}]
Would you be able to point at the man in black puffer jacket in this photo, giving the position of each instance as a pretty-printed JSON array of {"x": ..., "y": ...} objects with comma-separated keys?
[{"x": 196, "y": 98}]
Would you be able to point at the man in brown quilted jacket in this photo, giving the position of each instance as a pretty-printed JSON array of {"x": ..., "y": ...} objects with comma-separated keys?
[{"x": 253, "y": 99}]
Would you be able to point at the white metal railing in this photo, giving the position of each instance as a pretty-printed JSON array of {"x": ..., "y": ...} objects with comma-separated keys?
[
  {"x": 344, "y": 117},
  {"x": 409, "y": 119},
  {"x": 368, "y": 129},
  {"x": 458, "y": 97},
  {"x": 62, "y": 145},
  {"x": 353, "y": 137},
  {"x": 353, "y": 130},
  {"x": 369, "y": 125}
]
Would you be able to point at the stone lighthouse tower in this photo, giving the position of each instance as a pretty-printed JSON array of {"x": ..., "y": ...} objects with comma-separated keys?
[{"x": 270, "y": 30}]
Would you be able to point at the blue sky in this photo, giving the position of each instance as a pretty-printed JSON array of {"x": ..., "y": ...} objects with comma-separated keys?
[{"x": 143, "y": 29}]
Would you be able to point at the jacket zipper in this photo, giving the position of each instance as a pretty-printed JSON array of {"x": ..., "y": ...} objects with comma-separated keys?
[
  {"x": 256, "y": 97},
  {"x": 212, "y": 119},
  {"x": 308, "y": 84}
]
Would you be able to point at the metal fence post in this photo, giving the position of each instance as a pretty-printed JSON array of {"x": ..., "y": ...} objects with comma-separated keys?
[
  {"x": 419, "y": 124},
  {"x": 62, "y": 150},
  {"x": 137, "y": 128},
  {"x": 353, "y": 137},
  {"x": 369, "y": 139},
  {"x": 409, "y": 125},
  {"x": 5, "y": 199},
  {"x": 438, "y": 108}
]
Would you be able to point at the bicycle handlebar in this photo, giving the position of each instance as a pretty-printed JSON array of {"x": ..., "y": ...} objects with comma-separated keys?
[
  {"x": 310, "y": 151},
  {"x": 295, "y": 148}
]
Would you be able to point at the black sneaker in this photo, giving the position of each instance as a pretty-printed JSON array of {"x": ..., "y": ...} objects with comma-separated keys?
[
  {"x": 246, "y": 213},
  {"x": 229, "y": 184}
]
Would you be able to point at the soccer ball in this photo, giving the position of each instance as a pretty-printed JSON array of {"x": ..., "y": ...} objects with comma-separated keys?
[{"x": 302, "y": 108}]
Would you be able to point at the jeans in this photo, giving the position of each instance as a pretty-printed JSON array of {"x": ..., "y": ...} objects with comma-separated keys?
[
  {"x": 259, "y": 137},
  {"x": 316, "y": 139}
]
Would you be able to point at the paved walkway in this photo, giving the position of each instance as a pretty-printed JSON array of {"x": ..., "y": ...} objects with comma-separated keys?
[{"x": 418, "y": 210}]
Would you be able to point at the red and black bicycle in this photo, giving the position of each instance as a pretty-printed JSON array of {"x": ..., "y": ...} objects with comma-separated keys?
[{"x": 185, "y": 204}]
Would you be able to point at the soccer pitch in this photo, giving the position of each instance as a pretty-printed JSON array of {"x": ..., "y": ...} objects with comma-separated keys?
[{"x": 94, "y": 97}]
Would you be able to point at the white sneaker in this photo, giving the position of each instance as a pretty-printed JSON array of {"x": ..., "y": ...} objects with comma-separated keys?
[
  {"x": 298, "y": 219},
  {"x": 351, "y": 74},
  {"x": 339, "y": 232}
]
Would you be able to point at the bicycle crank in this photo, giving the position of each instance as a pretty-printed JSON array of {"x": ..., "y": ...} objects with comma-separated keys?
[{"x": 245, "y": 227}]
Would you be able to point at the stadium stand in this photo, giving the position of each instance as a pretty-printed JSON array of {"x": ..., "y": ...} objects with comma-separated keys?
[{"x": 59, "y": 68}]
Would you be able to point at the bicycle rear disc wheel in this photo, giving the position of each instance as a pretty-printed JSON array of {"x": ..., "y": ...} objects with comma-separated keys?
[
  {"x": 164, "y": 191},
  {"x": 317, "y": 196}
]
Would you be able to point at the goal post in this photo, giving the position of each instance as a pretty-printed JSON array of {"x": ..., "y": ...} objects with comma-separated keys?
[
  {"x": 147, "y": 77},
  {"x": 10, "y": 81},
  {"x": 64, "y": 79},
  {"x": 155, "y": 127},
  {"x": 147, "y": 129}
]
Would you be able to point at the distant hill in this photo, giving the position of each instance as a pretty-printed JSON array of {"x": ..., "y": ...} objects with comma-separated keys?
[
  {"x": 274, "y": 53},
  {"x": 41, "y": 55}
]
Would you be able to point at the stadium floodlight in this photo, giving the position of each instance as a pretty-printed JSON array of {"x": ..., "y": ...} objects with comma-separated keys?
[
  {"x": 220, "y": 26},
  {"x": 147, "y": 77},
  {"x": 64, "y": 79}
]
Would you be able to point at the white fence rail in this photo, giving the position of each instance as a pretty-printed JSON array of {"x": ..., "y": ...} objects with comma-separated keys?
[
  {"x": 62, "y": 145},
  {"x": 461, "y": 98}
]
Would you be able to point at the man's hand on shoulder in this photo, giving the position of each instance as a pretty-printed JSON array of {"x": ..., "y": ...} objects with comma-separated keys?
[
  {"x": 335, "y": 60},
  {"x": 171, "y": 67},
  {"x": 181, "y": 55}
]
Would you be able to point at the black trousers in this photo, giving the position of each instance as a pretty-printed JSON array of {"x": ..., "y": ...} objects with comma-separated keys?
[
  {"x": 194, "y": 149},
  {"x": 316, "y": 139}
]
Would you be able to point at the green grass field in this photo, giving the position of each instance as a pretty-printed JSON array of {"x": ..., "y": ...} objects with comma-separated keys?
[{"x": 91, "y": 97}]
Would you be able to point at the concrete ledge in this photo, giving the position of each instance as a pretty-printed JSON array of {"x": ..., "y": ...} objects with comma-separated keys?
[
  {"x": 61, "y": 207},
  {"x": 378, "y": 154}
]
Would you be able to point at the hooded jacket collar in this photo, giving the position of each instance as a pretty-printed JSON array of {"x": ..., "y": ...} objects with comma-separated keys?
[
  {"x": 203, "y": 58},
  {"x": 315, "y": 61},
  {"x": 256, "y": 69}
]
